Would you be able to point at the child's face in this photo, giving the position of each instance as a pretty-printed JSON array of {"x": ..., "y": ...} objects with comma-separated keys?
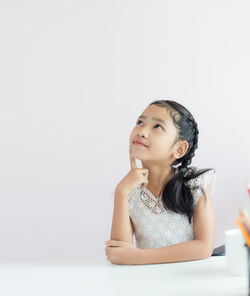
[{"x": 158, "y": 136}]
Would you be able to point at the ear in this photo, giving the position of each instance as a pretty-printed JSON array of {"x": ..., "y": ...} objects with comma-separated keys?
[{"x": 182, "y": 147}]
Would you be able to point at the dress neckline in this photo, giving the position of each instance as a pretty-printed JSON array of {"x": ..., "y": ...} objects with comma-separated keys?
[{"x": 146, "y": 189}]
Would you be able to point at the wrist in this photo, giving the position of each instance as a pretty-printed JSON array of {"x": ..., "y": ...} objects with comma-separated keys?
[{"x": 121, "y": 192}]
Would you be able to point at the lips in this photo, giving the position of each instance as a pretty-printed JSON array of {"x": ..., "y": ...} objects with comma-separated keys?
[{"x": 140, "y": 143}]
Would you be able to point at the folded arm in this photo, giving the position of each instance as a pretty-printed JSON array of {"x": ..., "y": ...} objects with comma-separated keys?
[{"x": 187, "y": 251}]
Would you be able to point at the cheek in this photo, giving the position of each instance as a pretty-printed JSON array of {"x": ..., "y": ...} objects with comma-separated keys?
[
  {"x": 158, "y": 141},
  {"x": 160, "y": 146},
  {"x": 132, "y": 134}
]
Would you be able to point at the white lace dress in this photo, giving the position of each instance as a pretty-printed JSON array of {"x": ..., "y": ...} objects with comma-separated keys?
[{"x": 156, "y": 227}]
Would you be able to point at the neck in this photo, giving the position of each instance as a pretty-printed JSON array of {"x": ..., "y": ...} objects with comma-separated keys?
[{"x": 158, "y": 176}]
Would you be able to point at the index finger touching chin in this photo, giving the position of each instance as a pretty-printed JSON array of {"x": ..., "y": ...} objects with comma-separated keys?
[{"x": 132, "y": 161}]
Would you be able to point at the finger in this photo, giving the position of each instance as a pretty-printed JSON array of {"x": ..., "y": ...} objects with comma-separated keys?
[
  {"x": 112, "y": 243},
  {"x": 143, "y": 185},
  {"x": 132, "y": 160}
]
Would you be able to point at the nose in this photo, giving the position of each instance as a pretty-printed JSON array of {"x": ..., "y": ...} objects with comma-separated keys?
[{"x": 142, "y": 132}]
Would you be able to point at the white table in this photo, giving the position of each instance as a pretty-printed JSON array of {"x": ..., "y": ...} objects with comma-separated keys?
[{"x": 199, "y": 277}]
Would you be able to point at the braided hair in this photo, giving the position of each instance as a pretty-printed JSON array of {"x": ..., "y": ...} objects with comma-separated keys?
[{"x": 176, "y": 193}]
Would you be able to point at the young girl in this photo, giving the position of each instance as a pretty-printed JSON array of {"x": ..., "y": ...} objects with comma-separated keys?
[{"x": 166, "y": 204}]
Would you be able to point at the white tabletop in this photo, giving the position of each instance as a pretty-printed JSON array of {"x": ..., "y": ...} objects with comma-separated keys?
[{"x": 199, "y": 277}]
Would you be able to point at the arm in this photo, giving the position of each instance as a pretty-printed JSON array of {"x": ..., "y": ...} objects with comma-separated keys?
[
  {"x": 122, "y": 226},
  {"x": 199, "y": 248}
]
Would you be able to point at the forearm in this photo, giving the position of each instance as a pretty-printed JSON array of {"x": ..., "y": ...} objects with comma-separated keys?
[
  {"x": 187, "y": 251},
  {"x": 121, "y": 226}
]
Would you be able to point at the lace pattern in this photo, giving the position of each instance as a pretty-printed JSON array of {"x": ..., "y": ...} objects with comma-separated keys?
[
  {"x": 151, "y": 202},
  {"x": 207, "y": 178}
]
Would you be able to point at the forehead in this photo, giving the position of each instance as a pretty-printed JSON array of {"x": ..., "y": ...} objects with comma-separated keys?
[{"x": 162, "y": 113}]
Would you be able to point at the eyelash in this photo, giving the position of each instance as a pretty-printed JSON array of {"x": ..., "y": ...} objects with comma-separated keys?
[{"x": 142, "y": 121}]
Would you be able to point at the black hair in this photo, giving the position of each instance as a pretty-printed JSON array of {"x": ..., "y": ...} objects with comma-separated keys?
[{"x": 176, "y": 193}]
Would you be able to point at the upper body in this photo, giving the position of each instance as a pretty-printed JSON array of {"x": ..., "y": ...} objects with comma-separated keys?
[
  {"x": 164, "y": 139},
  {"x": 156, "y": 227}
]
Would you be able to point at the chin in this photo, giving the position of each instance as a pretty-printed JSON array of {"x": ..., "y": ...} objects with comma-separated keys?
[{"x": 139, "y": 155}]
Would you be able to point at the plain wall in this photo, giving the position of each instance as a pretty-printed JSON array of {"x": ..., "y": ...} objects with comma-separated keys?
[{"x": 74, "y": 77}]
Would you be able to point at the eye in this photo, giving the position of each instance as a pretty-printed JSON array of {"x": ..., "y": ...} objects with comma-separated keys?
[
  {"x": 139, "y": 121},
  {"x": 159, "y": 125}
]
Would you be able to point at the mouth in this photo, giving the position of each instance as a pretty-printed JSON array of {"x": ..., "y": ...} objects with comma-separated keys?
[{"x": 139, "y": 143}]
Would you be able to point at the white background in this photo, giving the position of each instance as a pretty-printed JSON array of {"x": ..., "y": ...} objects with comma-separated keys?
[{"x": 74, "y": 77}]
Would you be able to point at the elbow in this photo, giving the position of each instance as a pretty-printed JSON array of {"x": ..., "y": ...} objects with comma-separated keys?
[
  {"x": 207, "y": 253},
  {"x": 206, "y": 250}
]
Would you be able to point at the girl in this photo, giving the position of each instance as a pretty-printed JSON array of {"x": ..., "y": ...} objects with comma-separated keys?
[{"x": 166, "y": 204}]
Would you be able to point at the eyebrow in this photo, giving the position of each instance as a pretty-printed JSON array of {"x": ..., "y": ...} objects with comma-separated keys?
[{"x": 153, "y": 118}]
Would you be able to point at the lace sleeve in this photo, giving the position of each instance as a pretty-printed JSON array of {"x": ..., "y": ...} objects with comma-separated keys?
[{"x": 202, "y": 180}]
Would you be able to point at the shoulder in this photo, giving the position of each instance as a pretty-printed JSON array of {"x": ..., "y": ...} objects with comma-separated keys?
[
  {"x": 207, "y": 177},
  {"x": 204, "y": 177}
]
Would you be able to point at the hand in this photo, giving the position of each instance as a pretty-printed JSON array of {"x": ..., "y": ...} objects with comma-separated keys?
[
  {"x": 134, "y": 177},
  {"x": 119, "y": 252}
]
